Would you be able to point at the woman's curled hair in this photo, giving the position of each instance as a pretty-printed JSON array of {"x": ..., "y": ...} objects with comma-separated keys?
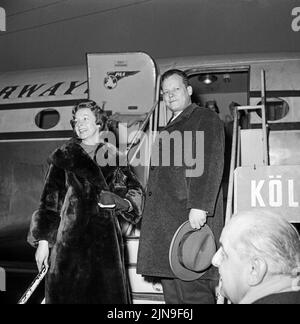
[{"x": 100, "y": 114}]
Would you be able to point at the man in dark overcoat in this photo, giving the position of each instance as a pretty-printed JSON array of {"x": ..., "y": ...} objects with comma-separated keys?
[{"x": 176, "y": 194}]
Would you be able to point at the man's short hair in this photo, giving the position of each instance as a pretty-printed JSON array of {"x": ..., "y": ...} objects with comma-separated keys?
[
  {"x": 271, "y": 237},
  {"x": 180, "y": 73}
]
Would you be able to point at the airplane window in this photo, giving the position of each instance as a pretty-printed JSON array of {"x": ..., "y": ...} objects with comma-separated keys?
[
  {"x": 276, "y": 109},
  {"x": 47, "y": 118}
]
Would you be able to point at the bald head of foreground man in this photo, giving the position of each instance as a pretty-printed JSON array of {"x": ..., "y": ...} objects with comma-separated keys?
[{"x": 259, "y": 260}]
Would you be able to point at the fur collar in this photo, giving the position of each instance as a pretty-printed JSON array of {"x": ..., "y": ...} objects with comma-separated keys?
[{"x": 72, "y": 157}]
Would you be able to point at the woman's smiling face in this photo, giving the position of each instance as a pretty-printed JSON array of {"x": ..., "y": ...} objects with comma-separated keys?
[{"x": 85, "y": 126}]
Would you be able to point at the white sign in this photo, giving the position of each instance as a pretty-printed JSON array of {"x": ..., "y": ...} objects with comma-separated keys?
[
  {"x": 274, "y": 188},
  {"x": 296, "y": 20},
  {"x": 2, "y": 20}
]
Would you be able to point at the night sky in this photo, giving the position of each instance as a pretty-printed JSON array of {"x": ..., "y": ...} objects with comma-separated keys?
[{"x": 52, "y": 33}]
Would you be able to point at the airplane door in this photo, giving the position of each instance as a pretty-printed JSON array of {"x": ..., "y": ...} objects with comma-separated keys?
[
  {"x": 126, "y": 86},
  {"x": 124, "y": 82}
]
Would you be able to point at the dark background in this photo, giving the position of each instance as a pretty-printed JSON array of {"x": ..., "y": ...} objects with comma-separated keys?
[{"x": 59, "y": 32}]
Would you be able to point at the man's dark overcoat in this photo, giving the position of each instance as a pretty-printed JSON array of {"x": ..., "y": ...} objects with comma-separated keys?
[
  {"x": 171, "y": 195},
  {"x": 86, "y": 263}
]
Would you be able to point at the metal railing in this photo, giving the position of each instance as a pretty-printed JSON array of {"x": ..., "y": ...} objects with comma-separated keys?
[{"x": 236, "y": 152}]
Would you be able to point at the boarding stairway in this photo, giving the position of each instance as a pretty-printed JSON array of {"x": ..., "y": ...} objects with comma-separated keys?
[
  {"x": 235, "y": 161},
  {"x": 254, "y": 180}
]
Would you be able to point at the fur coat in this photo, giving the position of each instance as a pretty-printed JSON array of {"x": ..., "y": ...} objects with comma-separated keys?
[
  {"x": 171, "y": 194},
  {"x": 87, "y": 259}
]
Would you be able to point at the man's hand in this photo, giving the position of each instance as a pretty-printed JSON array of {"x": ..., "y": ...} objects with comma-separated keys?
[{"x": 197, "y": 218}]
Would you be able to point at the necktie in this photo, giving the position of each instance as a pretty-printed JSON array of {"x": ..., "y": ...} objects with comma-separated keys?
[{"x": 170, "y": 120}]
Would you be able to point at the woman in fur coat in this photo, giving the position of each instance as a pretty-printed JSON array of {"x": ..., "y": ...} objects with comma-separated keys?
[{"x": 77, "y": 219}]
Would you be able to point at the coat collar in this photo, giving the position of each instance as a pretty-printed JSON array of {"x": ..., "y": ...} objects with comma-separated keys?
[
  {"x": 273, "y": 285},
  {"x": 72, "y": 157},
  {"x": 184, "y": 115}
]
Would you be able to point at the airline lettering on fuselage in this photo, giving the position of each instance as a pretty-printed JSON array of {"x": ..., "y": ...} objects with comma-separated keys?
[
  {"x": 43, "y": 90},
  {"x": 296, "y": 20}
]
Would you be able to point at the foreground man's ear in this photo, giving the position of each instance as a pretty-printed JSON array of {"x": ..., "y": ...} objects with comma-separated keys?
[{"x": 257, "y": 271}]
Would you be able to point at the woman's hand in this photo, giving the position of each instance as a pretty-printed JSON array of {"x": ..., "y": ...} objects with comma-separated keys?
[
  {"x": 42, "y": 255},
  {"x": 108, "y": 199}
]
